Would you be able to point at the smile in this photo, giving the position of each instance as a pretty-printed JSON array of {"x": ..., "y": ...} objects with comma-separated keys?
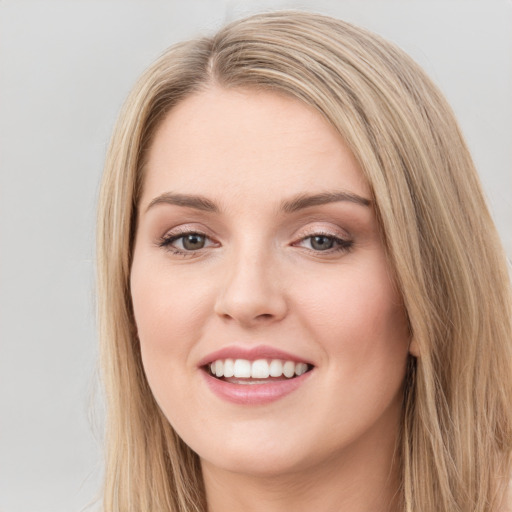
[
  {"x": 244, "y": 371},
  {"x": 255, "y": 376}
]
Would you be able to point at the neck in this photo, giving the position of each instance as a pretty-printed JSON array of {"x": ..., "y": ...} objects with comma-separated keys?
[{"x": 355, "y": 482}]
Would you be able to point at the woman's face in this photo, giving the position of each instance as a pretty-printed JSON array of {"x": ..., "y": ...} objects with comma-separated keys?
[{"x": 257, "y": 249}]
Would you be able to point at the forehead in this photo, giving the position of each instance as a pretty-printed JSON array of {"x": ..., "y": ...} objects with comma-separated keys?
[{"x": 257, "y": 144}]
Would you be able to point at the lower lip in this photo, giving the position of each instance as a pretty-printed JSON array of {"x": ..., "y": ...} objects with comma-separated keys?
[{"x": 254, "y": 394}]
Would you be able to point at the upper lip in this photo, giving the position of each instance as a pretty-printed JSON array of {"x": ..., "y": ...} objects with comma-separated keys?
[{"x": 251, "y": 354}]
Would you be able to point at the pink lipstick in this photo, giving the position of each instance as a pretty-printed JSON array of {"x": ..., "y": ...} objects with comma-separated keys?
[{"x": 253, "y": 376}]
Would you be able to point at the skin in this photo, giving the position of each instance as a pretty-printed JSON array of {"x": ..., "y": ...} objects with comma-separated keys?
[{"x": 258, "y": 279}]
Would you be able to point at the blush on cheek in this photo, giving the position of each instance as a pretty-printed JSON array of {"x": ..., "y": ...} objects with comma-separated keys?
[
  {"x": 369, "y": 327},
  {"x": 168, "y": 314}
]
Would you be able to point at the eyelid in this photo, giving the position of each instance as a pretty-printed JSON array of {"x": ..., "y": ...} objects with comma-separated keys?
[
  {"x": 185, "y": 229},
  {"x": 167, "y": 240},
  {"x": 177, "y": 236},
  {"x": 343, "y": 241},
  {"x": 322, "y": 229}
]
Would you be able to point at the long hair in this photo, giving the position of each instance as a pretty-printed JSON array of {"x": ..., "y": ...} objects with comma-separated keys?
[{"x": 456, "y": 430}]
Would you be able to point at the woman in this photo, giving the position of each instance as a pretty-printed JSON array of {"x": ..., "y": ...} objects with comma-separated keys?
[{"x": 303, "y": 300}]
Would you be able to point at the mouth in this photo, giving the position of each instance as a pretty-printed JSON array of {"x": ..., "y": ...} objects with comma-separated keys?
[
  {"x": 259, "y": 371},
  {"x": 254, "y": 376}
]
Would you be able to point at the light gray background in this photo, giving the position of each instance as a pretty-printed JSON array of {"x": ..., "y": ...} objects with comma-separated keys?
[{"x": 65, "y": 68}]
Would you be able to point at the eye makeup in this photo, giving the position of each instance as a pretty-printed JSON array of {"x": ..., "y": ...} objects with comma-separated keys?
[{"x": 191, "y": 242}]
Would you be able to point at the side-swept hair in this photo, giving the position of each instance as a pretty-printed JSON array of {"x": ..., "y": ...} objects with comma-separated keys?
[{"x": 456, "y": 430}]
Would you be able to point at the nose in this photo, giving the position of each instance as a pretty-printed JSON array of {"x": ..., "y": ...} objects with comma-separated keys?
[{"x": 251, "y": 291}]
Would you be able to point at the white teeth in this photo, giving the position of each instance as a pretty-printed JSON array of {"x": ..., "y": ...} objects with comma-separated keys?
[
  {"x": 288, "y": 369},
  {"x": 300, "y": 368},
  {"x": 276, "y": 368},
  {"x": 219, "y": 368},
  {"x": 242, "y": 368},
  {"x": 229, "y": 368},
  {"x": 259, "y": 369}
]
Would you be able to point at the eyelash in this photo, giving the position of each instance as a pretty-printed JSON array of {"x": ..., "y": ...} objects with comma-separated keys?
[
  {"x": 342, "y": 245},
  {"x": 167, "y": 240}
]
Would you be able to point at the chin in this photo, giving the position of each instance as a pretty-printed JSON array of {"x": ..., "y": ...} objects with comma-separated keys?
[
  {"x": 256, "y": 463},
  {"x": 259, "y": 456}
]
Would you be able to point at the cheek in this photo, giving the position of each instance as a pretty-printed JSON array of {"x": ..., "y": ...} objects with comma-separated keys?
[
  {"x": 363, "y": 332},
  {"x": 169, "y": 314},
  {"x": 358, "y": 318},
  {"x": 165, "y": 307}
]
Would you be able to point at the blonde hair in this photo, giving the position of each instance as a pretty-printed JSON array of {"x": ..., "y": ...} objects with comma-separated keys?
[{"x": 455, "y": 438}]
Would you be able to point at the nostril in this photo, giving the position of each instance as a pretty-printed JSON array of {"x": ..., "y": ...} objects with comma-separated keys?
[{"x": 250, "y": 299}]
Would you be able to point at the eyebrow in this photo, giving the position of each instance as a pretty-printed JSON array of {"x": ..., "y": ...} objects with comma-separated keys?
[
  {"x": 190, "y": 201},
  {"x": 302, "y": 201},
  {"x": 299, "y": 202}
]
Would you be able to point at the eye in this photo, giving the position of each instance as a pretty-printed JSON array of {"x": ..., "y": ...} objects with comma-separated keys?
[
  {"x": 185, "y": 242},
  {"x": 321, "y": 242},
  {"x": 192, "y": 241}
]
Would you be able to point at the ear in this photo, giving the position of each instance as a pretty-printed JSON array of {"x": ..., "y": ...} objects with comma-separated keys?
[{"x": 414, "y": 349}]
